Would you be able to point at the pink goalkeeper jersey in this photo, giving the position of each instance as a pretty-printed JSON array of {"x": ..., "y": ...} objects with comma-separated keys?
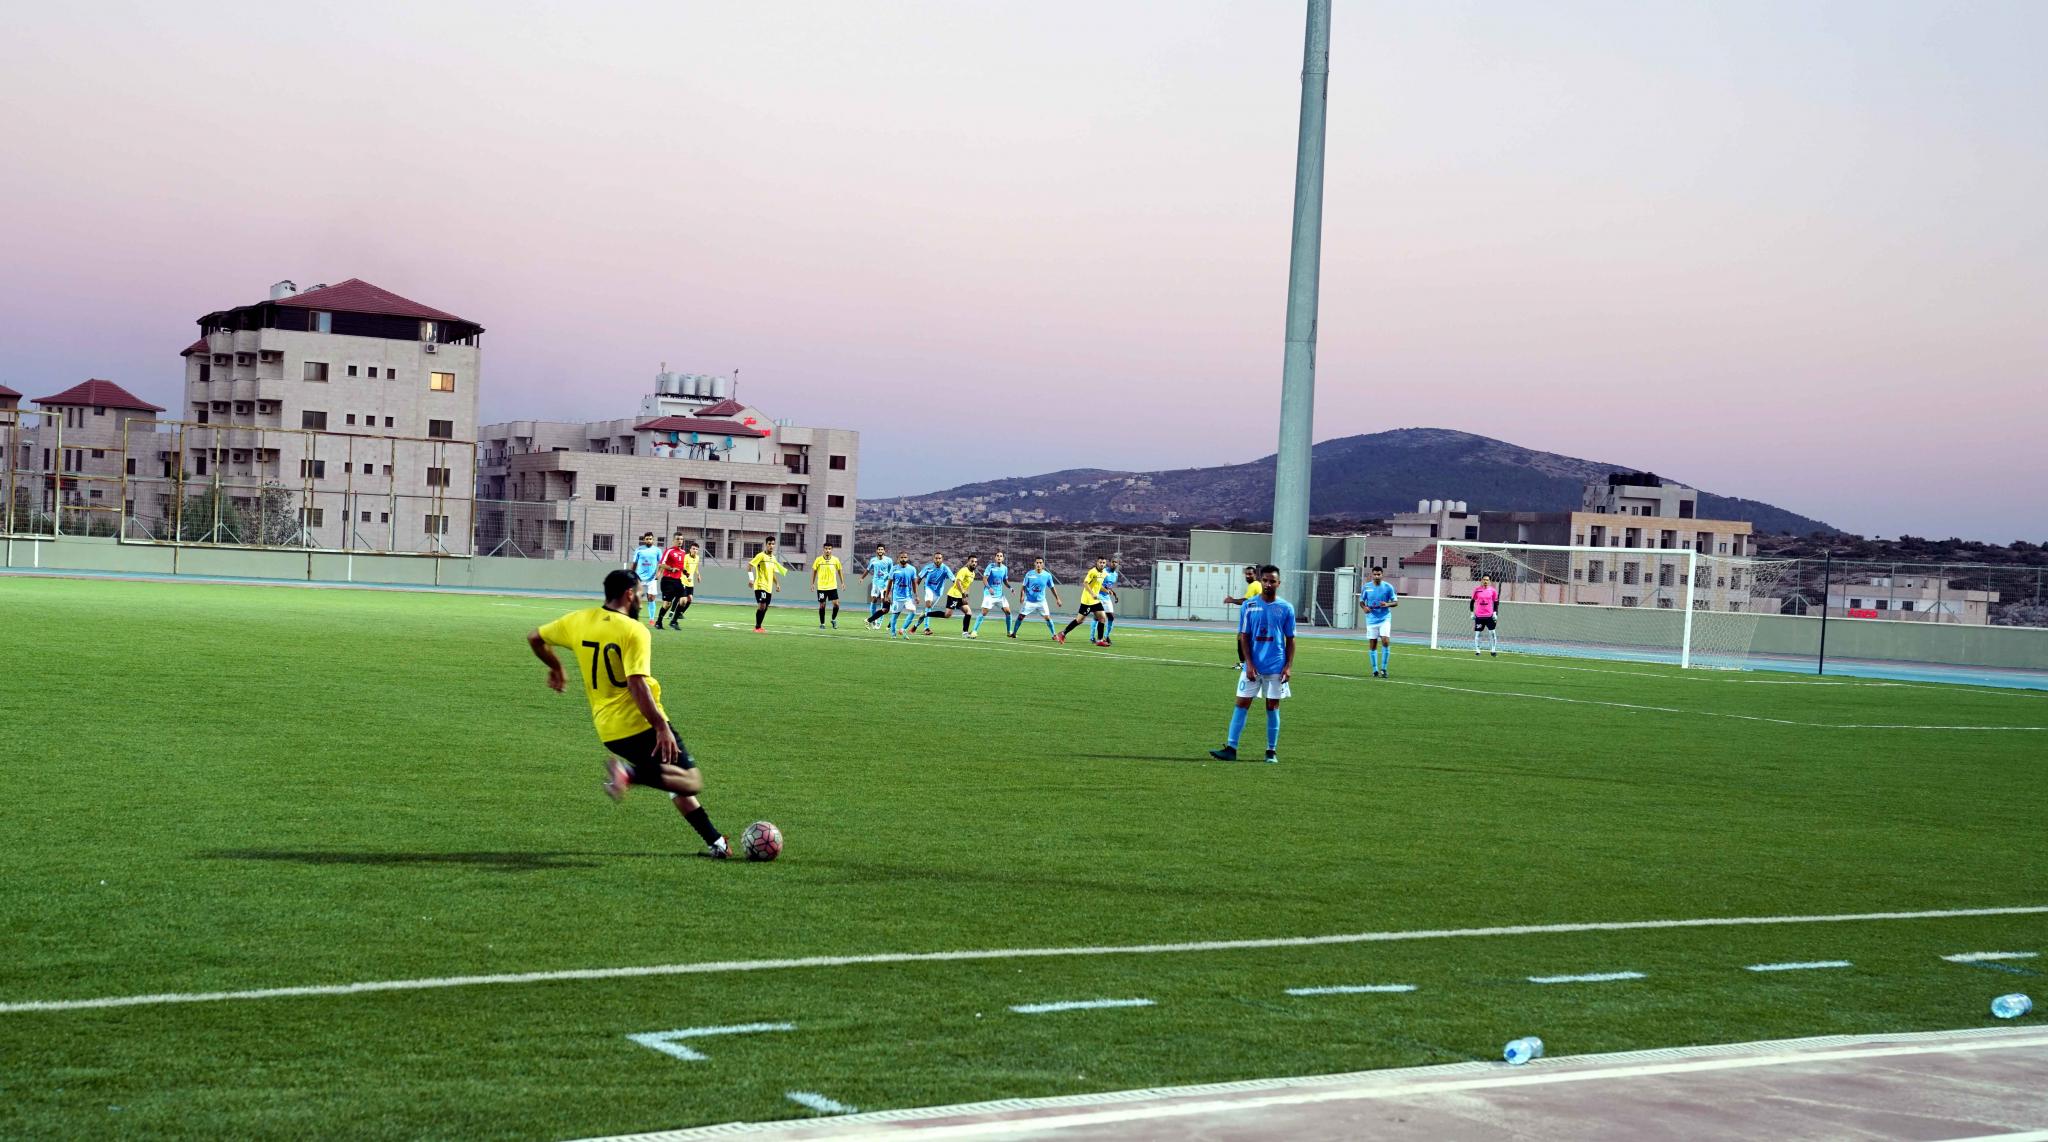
[{"x": 1483, "y": 600}]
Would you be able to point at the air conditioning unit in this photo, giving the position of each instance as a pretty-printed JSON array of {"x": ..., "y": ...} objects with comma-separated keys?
[{"x": 431, "y": 347}]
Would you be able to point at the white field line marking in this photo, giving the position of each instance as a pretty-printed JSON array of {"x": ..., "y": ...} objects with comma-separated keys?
[
  {"x": 1519, "y": 1077},
  {"x": 2022, "y": 1136},
  {"x": 1076, "y": 1005},
  {"x": 1106, "y": 655},
  {"x": 1595, "y": 977},
  {"x": 671, "y": 1042},
  {"x": 718, "y": 967},
  {"x": 1809, "y": 965},
  {"x": 1353, "y": 989},
  {"x": 1979, "y": 957},
  {"x": 819, "y": 1102}
]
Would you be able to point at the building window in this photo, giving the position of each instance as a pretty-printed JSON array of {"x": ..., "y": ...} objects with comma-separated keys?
[
  {"x": 383, "y": 517},
  {"x": 99, "y": 411},
  {"x": 1664, "y": 603},
  {"x": 835, "y": 501},
  {"x": 437, "y": 477},
  {"x": 664, "y": 493},
  {"x": 99, "y": 453},
  {"x": 712, "y": 500},
  {"x": 373, "y": 372},
  {"x": 1884, "y": 604},
  {"x": 607, "y": 492},
  {"x": 757, "y": 503},
  {"x": 351, "y": 370},
  {"x": 834, "y": 539},
  {"x": 686, "y": 498},
  {"x": 366, "y": 517},
  {"x": 789, "y": 499},
  {"x": 1628, "y": 600},
  {"x": 316, "y": 516},
  {"x": 710, "y": 549},
  {"x": 131, "y": 467},
  {"x": 430, "y": 331},
  {"x": 351, "y": 418},
  {"x": 387, "y": 469},
  {"x": 441, "y": 382},
  {"x": 836, "y": 463},
  {"x": 601, "y": 542},
  {"x": 441, "y": 429},
  {"x": 645, "y": 490},
  {"x": 319, "y": 321},
  {"x": 315, "y": 371},
  {"x": 437, "y": 525},
  {"x": 312, "y": 469},
  {"x": 1629, "y": 573}
]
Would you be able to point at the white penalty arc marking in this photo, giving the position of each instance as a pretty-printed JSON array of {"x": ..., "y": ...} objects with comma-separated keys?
[
  {"x": 1808, "y": 965},
  {"x": 1593, "y": 977},
  {"x": 1980, "y": 957},
  {"x": 1354, "y": 989},
  {"x": 818, "y": 1102},
  {"x": 670, "y": 1043},
  {"x": 717, "y": 967},
  {"x": 1076, "y": 1005}
]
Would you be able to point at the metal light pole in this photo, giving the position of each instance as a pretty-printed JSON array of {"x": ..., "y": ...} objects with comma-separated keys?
[{"x": 1298, "y": 376}]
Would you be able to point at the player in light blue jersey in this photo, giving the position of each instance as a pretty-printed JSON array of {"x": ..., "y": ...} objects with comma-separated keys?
[
  {"x": 934, "y": 577},
  {"x": 646, "y": 566},
  {"x": 1038, "y": 584},
  {"x": 1379, "y": 601},
  {"x": 1265, "y": 640},
  {"x": 1109, "y": 578},
  {"x": 902, "y": 598},
  {"x": 878, "y": 570},
  {"x": 995, "y": 592}
]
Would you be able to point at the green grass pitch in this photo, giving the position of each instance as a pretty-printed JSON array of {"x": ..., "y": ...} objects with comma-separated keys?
[{"x": 215, "y": 788}]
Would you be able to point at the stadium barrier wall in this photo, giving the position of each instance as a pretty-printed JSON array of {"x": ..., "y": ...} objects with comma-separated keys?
[{"x": 108, "y": 556}]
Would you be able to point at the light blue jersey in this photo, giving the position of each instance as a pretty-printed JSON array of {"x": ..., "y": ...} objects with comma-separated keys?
[
  {"x": 902, "y": 581},
  {"x": 1035, "y": 585},
  {"x": 996, "y": 578},
  {"x": 646, "y": 561},
  {"x": 879, "y": 568},
  {"x": 1378, "y": 598},
  {"x": 1109, "y": 580},
  {"x": 1270, "y": 625},
  {"x": 937, "y": 576}
]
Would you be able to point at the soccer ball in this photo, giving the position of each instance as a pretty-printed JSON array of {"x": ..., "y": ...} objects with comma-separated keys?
[{"x": 761, "y": 841}]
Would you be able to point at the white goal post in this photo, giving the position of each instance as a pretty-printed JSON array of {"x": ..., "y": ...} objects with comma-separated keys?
[{"x": 1674, "y": 605}]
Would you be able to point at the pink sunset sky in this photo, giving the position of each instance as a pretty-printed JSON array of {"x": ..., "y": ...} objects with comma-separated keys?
[{"x": 1793, "y": 251}]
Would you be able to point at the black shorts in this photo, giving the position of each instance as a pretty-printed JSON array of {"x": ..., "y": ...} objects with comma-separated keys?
[
  {"x": 638, "y": 754},
  {"x": 1091, "y": 608},
  {"x": 956, "y": 602},
  {"x": 1482, "y": 623},
  {"x": 685, "y": 591},
  {"x": 831, "y": 596},
  {"x": 671, "y": 589},
  {"x": 764, "y": 597}
]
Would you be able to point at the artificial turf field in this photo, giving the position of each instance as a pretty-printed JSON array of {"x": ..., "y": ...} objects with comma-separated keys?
[{"x": 219, "y": 788}]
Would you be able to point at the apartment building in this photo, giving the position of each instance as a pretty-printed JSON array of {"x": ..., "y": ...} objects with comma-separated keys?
[
  {"x": 69, "y": 452},
  {"x": 10, "y": 400},
  {"x": 695, "y": 458},
  {"x": 349, "y": 402},
  {"x": 1911, "y": 598},
  {"x": 1418, "y": 530}
]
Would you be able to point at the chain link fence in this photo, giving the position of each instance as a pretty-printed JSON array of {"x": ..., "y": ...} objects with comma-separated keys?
[
  {"x": 1969, "y": 594},
  {"x": 1067, "y": 554}
]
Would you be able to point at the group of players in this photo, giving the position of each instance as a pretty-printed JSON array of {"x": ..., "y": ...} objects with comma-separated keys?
[{"x": 625, "y": 698}]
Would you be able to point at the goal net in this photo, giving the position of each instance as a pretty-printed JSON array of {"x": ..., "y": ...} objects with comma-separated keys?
[{"x": 1640, "y": 604}]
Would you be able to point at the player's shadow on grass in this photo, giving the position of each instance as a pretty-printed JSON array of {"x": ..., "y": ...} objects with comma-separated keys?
[
  {"x": 1199, "y": 755},
  {"x": 543, "y": 861}
]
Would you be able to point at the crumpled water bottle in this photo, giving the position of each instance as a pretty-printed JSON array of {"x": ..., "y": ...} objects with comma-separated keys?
[
  {"x": 1520, "y": 1051},
  {"x": 2011, "y": 1006}
]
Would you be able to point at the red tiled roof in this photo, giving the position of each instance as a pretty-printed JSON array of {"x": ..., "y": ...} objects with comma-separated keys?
[
  {"x": 698, "y": 424},
  {"x": 194, "y": 347},
  {"x": 103, "y": 394},
  {"x": 1428, "y": 556},
  {"x": 358, "y": 296},
  {"x": 726, "y": 407},
  {"x": 7, "y": 392}
]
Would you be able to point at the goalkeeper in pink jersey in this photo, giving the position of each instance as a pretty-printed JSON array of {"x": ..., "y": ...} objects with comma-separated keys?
[{"x": 1486, "y": 615}]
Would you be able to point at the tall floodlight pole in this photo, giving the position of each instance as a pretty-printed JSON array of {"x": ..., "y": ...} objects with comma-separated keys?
[{"x": 1304, "y": 275}]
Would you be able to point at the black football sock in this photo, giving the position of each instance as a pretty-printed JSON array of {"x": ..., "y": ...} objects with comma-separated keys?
[
  {"x": 760, "y": 612},
  {"x": 835, "y": 612},
  {"x": 1070, "y": 628},
  {"x": 700, "y": 820},
  {"x": 821, "y": 614},
  {"x": 966, "y": 622},
  {"x": 684, "y": 606}
]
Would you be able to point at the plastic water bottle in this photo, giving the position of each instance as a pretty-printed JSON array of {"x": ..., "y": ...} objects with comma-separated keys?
[
  {"x": 1520, "y": 1051},
  {"x": 2007, "y": 1006}
]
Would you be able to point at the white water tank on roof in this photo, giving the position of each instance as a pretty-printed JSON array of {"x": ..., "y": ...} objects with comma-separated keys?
[
  {"x": 1421, "y": 507},
  {"x": 1436, "y": 506},
  {"x": 285, "y": 288},
  {"x": 720, "y": 387},
  {"x": 1461, "y": 509}
]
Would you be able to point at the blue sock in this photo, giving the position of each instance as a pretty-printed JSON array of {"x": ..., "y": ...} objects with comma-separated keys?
[
  {"x": 1109, "y": 627},
  {"x": 1237, "y": 716},
  {"x": 1048, "y": 626},
  {"x": 1386, "y": 653},
  {"x": 977, "y": 622},
  {"x": 893, "y": 616},
  {"x": 1272, "y": 729}
]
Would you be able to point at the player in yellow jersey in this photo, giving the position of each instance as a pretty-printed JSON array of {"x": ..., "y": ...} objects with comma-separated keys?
[
  {"x": 1091, "y": 605},
  {"x": 692, "y": 557},
  {"x": 956, "y": 594},
  {"x": 826, "y": 572},
  {"x": 614, "y": 653},
  {"x": 761, "y": 572}
]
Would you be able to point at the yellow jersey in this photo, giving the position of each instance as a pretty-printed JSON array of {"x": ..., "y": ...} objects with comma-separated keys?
[
  {"x": 962, "y": 580},
  {"x": 608, "y": 648},
  {"x": 1091, "y": 587},
  {"x": 829, "y": 570},
  {"x": 762, "y": 570},
  {"x": 689, "y": 575}
]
